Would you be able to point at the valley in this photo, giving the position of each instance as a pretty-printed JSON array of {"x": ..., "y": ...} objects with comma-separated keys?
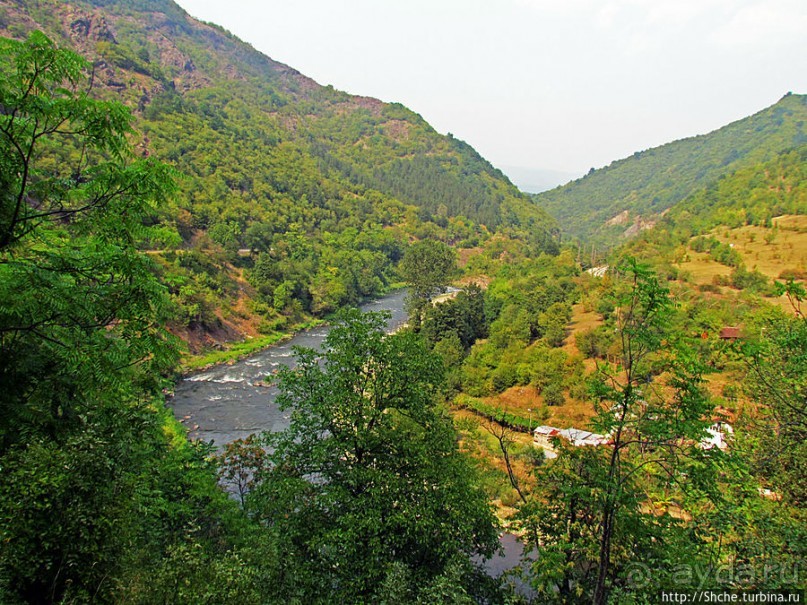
[{"x": 264, "y": 341}]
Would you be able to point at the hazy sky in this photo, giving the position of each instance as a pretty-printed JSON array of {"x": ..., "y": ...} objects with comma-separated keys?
[{"x": 548, "y": 84}]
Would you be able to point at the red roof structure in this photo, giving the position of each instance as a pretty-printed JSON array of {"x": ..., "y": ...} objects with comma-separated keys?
[{"x": 731, "y": 333}]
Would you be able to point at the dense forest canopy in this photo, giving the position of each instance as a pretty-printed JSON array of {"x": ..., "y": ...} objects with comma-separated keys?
[
  {"x": 319, "y": 190},
  {"x": 102, "y": 498},
  {"x": 159, "y": 61}
]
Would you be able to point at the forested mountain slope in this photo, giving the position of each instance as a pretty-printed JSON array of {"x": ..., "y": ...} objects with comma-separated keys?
[
  {"x": 366, "y": 497},
  {"x": 324, "y": 189},
  {"x": 746, "y": 228},
  {"x": 631, "y": 194},
  {"x": 103, "y": 499},
  {"x": 249, "y": 128},
  {"x": 752, "y": 195}
]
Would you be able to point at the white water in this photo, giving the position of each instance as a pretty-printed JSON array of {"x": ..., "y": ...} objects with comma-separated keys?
[{"x": 229, "y": 402}]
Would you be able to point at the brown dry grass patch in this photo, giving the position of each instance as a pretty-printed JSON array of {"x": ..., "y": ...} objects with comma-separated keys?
[
  {"x": 772, "y": 252},
  {"x": 702, "y": 268},
  {"x": 522, "y": 399},
  {"x": 582, "y": 321}
]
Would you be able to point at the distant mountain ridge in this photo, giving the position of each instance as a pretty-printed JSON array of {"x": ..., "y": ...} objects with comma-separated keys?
[{"x": 633, "y": 193}]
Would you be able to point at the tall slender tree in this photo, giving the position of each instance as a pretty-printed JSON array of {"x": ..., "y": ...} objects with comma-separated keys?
[{"x": 598, "y": 509}]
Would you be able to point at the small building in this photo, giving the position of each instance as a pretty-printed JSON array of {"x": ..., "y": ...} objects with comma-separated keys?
[
  {"x": 580, "y": 438},
  {"x": 598, "y": 271},
  {"x": 731, "y": 333},
  {"x": 718, "y": 436},
  {"x": 542, "y": 436}
]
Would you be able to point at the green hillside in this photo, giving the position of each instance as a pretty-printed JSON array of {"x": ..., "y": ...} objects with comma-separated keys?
[
  {"x": 632, "y": 193},
  {"x": 399, "y": 447},
  {"x": 249, "y": 128},
  {"x": 323, "y": 189},
  {"x": 744, "y": 230},
  {"x": 753, "y": 195}
]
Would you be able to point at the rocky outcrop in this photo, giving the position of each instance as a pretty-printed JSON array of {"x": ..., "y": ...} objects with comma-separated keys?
[
  {"x": 623, "y": 218},
  {"x": 92, "y": 27}
]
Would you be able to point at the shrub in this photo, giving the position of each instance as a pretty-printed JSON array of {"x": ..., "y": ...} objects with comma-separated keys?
[{"x": 553, "y": 394}]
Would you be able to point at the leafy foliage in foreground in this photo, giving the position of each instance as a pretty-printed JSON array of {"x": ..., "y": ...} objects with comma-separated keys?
[
  {"x": 97, "y": 491},
  {"x": 367, "y": 487},
  {"x": 656, "y": 506},
  {"x": 653, "y": 506},
  {"x": 72, "y": 284},
  {"x": 102, "y": 499}
]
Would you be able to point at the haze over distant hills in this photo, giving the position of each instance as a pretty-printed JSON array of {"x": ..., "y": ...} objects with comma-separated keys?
[
  {"x": 536, "y": 180},
  {"x": 320, "y": 191},
  {"x": 266, "y": 150},
  {"x": 632, "y": 193}
]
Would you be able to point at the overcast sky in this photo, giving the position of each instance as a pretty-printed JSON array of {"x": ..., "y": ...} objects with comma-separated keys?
[{"x": 546, "y": 84}]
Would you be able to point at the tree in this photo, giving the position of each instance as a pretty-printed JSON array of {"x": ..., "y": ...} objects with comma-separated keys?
[
  {"x": 428, "y": 267},
  {"x": 611, "y": 499},
  {"x": 239, "y": 464},
  {"x": 778, "y": 382},
  {"x": 504, "y": 436},
  {"x": 553, "y": 322},
  {"x": 774, "y": 532},
  {"x": 562, "y": 517},
  {"x": 649, "y": 430},
  {"x": 367, "y": 481},
  {"x": 765, "y": 527},
  {"x": 92, "y": 490},
  {"x": 463, "y": 316},
  {"x": 73, "y": 286},
  {"x": 511, "y": 328}
]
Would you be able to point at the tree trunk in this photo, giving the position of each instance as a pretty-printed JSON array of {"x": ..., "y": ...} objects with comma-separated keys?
[{"x": 600, "y": 593}]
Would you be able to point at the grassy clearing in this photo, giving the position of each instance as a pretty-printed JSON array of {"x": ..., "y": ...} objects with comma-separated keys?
[
  {"x": 583, "y": 320},
  {"x": 702, "y": 269},
  {"x": 238, "y": 350},
  {"x": 526, "y": 404},
  {"x": 778, "y": 253},
  {"x": 774, "y": 252},
  {"x": 573, "y": 413}
]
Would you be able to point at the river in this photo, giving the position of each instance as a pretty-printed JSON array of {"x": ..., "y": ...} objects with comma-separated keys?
[{"x": 229, "y": 402}]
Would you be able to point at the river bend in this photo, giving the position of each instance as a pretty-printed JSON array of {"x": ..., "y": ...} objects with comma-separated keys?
[{"x": 229, "y": 402}]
